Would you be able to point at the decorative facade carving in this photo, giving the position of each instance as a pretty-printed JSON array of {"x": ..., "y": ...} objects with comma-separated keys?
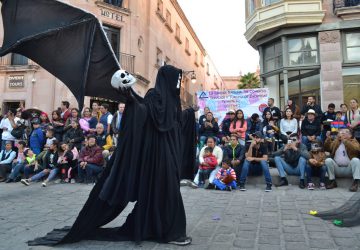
[{"x": 332, "y": 36}]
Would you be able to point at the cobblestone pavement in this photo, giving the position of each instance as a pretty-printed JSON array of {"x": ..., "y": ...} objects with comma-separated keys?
[{"x": 216, "y": 220}]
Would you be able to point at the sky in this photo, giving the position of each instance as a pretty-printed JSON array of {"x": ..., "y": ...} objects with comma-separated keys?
[{"x": 220, "y": 26}]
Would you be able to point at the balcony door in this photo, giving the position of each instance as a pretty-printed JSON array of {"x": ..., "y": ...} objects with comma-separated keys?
[{"x": 113, "y": 35}]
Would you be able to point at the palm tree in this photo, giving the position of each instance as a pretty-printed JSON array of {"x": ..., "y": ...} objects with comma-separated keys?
[{"x": 249, "y": 81}]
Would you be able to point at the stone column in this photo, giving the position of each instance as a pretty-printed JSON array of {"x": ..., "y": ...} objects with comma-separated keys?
[{"x": 331, "y": 84}]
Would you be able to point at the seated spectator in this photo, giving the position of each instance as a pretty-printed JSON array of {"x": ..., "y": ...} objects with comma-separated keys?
[
  {"x": 316, "y": 163},
  {"x": 7, "y": 124},
  {"x": 65, "y": 162},
  {"x": 236, "y": 153},
  {"x": 84, "y": 121},
  {"x": 294, "y": 108},
  {"x": 7, "y": 156},
  {"x": 270, "y": 131},
  {"x": 310, "y": 129},
  {"x": 31, "y": 166},
  {"x": 74, "y": 116},
  {"x": 218, "y": 153},
  {"x": 291, "y": 159},
  {"x": 202, "y": 118},
  {"x": 274, "y": 111},
  {"x": 326, "y": 120},
  {"x": 253, "y": 125},
  {"x": 209, "y": 128},
  {"x": 207, "y": 166},
  {"x": 18, "y": 163},
  {"x": 343, "y": 110},
  {"x": 57, "y": 125},
  {"x": 36, "y": 140},
  {"x": 50, "y": 138},
  {"x": 91, "y": 161},
  {"x": 337, "y": 124},
  {"x": 256, "y": 160},
  {"x": 225, "y": 178},
  {"x": 225, "y": 125},
  {"x": 344, "y": 161},
  {"x": 353, "y": 118},
  {"x": 51, "y": 167},
  {"x": 288, "y": 126},
  {"x": 239, "y": 126},
  {"x": 103, "y": 140},
  {"x": 74, "y": 136},
  {"x": 44, "y": 121}
]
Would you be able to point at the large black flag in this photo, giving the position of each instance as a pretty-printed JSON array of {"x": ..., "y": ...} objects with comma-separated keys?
[{"x": 68, "y": 42}]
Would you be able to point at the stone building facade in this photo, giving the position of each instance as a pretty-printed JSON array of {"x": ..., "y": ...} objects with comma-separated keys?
[
  {"x": 144, "y": 36},
  {"x": 307, "y": 48}
]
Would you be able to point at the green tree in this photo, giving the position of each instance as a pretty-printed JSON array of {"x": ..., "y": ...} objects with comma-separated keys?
[{"x": 249, "y": 81}]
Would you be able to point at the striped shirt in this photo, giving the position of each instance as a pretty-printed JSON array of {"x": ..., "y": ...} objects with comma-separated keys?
[{"x": 224, "y": 172}]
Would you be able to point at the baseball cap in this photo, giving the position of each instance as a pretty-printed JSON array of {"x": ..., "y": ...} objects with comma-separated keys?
[{"x": 258, "y": 134}]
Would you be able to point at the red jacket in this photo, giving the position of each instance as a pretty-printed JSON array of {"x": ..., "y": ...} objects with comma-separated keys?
[
  {"x": 211, "y": 160},
  {"x": 92, "y": 155}
]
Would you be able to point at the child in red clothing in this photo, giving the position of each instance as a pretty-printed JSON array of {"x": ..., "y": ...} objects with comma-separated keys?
[
  {"x": 209, "y": 165},
  {"x": 225, "y": 178}
]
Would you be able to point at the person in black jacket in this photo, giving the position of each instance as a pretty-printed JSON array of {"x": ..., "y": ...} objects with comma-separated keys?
[
  {"x": 209, "y": 128},
  {"x": 202, "y": 118},
  {"x": 236, "y": 153},
  {"x": 74, "y": 136},
  {"x": 310, "y": 129},
  {"x": 311, "y": 105},
  {"x": 275, "y": 111},
  {"x": 326, "y": 119}
]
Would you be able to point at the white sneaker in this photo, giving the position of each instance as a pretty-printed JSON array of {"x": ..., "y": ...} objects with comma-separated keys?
[
  {"x": 183, "y": 241},
  {"x": 25, "y": 182},
  {"x": 72, "y": 181},
  {"x": 57, "y": 181},
  {"x": 43, "y": 184}
]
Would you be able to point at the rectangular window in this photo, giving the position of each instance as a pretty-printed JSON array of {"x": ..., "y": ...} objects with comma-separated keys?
[
  {"x": 207, "y": 69},
  {"x": 115, "y": 2},
  {"x": 273, "y": 57},
  {"x": 167, "y": 60},
  {"x": 113, "y": 35},
  {"x": 353, "y": 47},
  {"x": 251, "y": 7},
  {"x": 196, "y": 59},
  {"x": 168, "y": 17},
  {"x": 177, "y": 31},
  {"x": 269, "y": 2},
  {"x": 303, "y": 51},
  {"x": 17, "y": 59},
  {"x": 187, "y": 47},
  {"x": 160, "y": 7},
  {"x": 158, "y": 57}
]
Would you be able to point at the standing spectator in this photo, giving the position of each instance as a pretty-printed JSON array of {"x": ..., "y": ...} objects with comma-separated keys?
[
  {"x": 294, "y": 108},
  {"x": 225, "y": 125},
  {"x": 343, "y": 109},
  {"x": 7, "y": 124},
  {"x": 23, "y": 126},
  {"x": 65, "y": 112},
  {"x": 209, "y": 128},
  {"x": 311, "y": 105},
  {"x": 253, "y": 125},
  {"x": 74, "y": 116},
  {"x": 316, "y": 163},
  {"x": 74, "y": 136},
  {"x": 7, "y": 156},
  {"x": 18, "y": 164},
  {"x": 106, "y": 117},
  {"x": 57, "y": 124},
  {"x": 202, "y": 118},
  {"x": 236, "y": 153},
  {"x": 288, "y": 126},
  {"x": 344, "y": 161},
  {"x": 326, "y": 120},
  {"x": 51, "y": 167},
  {"x": 239, "y": 126},
  {"x": 84, "y": 121},
  {"x": 256, "y": 160},
  {"x": 93, "y": 122},
  {"x": 90, "y": 161},
  {"x": 291, "y": 159},
  {"x": 95, "y": 106},
  {"x": 36, "y": 140},
  {"x": 207, "y": 166},
  {"x": 275, "y": 111},
  {"x": 310, "y": 129},
  {"x": 116, "y": 121},
  {"x": 353, "y": 117},
  {"x": 44, "y": 121},
  {"x": 226, "y": 177}
]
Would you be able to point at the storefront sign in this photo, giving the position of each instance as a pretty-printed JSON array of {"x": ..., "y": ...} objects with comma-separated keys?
[
  {"x": 16, "y": 82},
  {"x": 112, "y": 15}
]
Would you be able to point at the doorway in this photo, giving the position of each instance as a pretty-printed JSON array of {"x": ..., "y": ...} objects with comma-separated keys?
[{"x": 7, "y": 105}]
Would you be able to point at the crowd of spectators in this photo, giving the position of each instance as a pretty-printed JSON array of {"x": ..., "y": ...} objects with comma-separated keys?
[{"x": 72, "y": 146}]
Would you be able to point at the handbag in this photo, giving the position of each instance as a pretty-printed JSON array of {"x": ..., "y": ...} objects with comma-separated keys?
[{"x": 18, "y": 132}]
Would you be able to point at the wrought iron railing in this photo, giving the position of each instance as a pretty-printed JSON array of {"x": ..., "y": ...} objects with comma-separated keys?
[
  {"x": 345, "y": 3},
  {"x": 127, "y": 62}
]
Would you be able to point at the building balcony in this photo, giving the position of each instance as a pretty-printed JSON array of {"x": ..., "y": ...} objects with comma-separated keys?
[
  {"x": 286, "y": 13},
  {"x": 347, "y": 9},
  {"x": 127, "y": 62},
  {"x": 15, "y": 62}
]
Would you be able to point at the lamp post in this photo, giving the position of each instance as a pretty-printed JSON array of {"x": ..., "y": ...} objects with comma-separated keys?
[{"x": 192, "y": 77}]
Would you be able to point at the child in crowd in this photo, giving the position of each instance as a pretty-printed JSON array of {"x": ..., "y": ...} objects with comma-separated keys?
[
  {"x": 207, "y": 166},
  {"x": 50, "y": 138},
  {"x": 65, "y": 162},
  {"x": 225, "y": 178},
  {"x": 316, "y": 163},
  {"x": 30, "y": 160},
  {"x": 337, "y": 124}
]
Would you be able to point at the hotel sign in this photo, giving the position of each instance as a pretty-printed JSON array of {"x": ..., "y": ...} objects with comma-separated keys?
[
  {"x": 112, "y": 15},
  {"x": 16, "y": 82}
]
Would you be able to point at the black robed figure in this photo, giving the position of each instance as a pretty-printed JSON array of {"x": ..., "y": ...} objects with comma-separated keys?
[{"x": 147, "y": 164}]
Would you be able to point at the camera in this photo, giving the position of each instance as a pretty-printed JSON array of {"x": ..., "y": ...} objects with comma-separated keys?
[{"x": 290, "y": 141}]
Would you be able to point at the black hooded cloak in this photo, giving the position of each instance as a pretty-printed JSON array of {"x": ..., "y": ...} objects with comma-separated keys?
[{"x": 145, "y": 169}]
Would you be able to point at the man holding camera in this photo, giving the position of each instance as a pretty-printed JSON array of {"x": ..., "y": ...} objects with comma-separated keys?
[
  {"x": 291, "y": 159},
  {"x": 7, "y": 124},
  {"x": 312, "y": 105}
]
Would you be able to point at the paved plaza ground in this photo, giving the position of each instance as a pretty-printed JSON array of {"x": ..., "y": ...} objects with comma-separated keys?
[{"x": 216, "y": 220}]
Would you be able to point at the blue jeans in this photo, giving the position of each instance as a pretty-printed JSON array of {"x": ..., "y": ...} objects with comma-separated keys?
[
  {"x": 285, "y": 168},
  {"x": 310, "y": 170},
  {"x": 222, "y": 185},
  {"x": 90, "y": 170},
  {"x": 255, "y": 166},
  {"x": 52, "y": 175},
  {"x": 306, "y": 141},
  {"x": 16, "y": 169}
]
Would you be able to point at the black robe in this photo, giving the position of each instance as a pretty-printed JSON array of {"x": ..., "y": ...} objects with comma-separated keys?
[{"x": 145, "y": 168}]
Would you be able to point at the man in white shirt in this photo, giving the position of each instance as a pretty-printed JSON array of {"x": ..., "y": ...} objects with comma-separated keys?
[{"x": 7, "y": 124}]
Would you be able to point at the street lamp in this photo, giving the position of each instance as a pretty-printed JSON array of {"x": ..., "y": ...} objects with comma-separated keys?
[{"x": 192, "y": 77}]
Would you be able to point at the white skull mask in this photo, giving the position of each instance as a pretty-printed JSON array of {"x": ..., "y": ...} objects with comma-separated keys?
[{"x": 122, "y": 79}]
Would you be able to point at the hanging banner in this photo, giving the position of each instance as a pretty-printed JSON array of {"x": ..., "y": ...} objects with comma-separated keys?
[{"x": 220, "y": 102}]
